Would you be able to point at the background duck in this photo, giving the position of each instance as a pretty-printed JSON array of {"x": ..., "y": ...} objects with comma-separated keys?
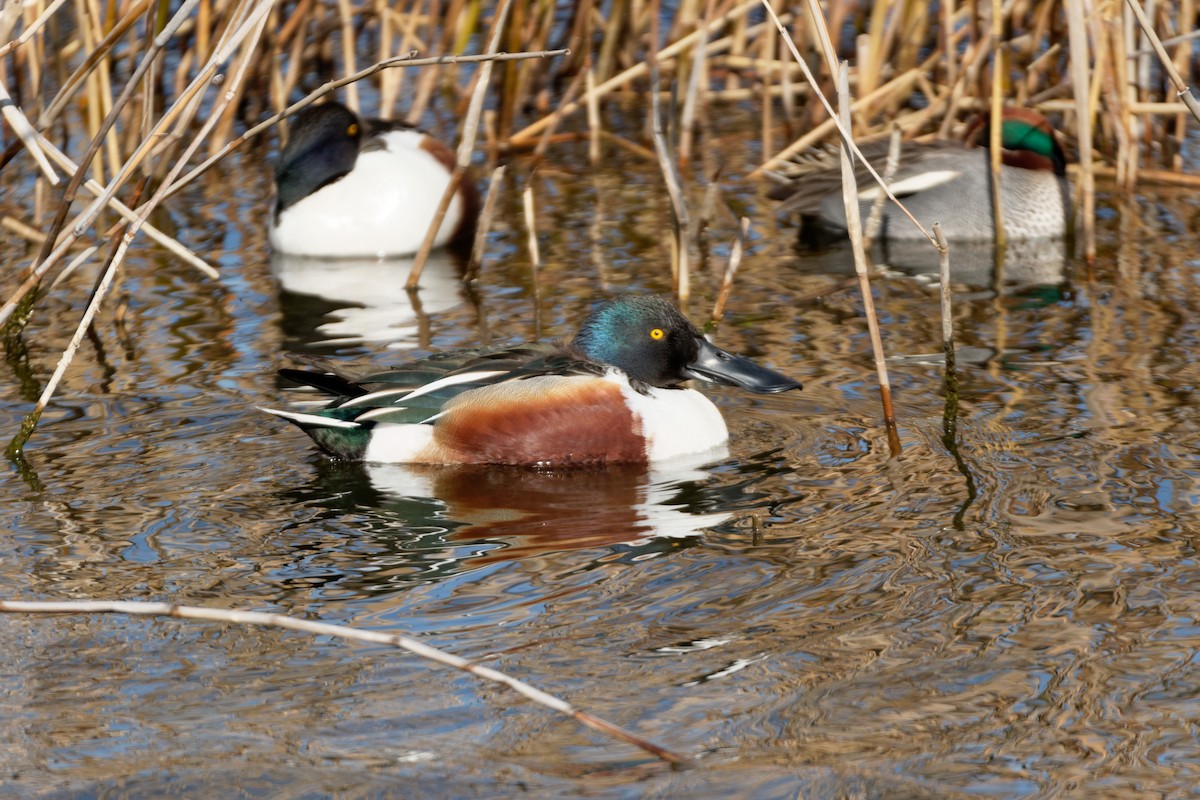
[
  {"x": 349, "y": 187},
  {"x": 610, "y": 396},
  {"x": 950, "y": 183}
]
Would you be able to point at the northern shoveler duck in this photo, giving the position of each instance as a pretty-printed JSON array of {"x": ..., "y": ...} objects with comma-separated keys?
[
  {"x": 950, "y": 183},
  {"x": 611, "y": 395},
  {"x": 349, "y": 187}
]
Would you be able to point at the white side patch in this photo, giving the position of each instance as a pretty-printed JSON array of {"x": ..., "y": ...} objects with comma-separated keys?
[
  {"x": 466, "y": 377},
  {"x": 310, "y": 419},
  {"x": 408, "y": 394},
  {"x": 675, "y": 422},
  {"x": 397, "y": 444},
  {"x": 917, "y": 183}
]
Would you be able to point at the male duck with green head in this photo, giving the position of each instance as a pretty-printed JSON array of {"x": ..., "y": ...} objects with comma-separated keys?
[
  {"x": 952, "y": 184},
  {"x": 612, "y": 395}
]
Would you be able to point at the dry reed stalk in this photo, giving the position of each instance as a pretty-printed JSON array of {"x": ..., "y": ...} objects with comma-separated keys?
[
  {"x": 697, "y": 77},
  {"x": 1128, "y": 151},
  {"x": 166, "y": 241},
  {"x": 735, "y": 260},
  {"x": 632, "y": 147},
  {"x": 249, "y": 32},
  {"x": 843, "y": 130},
  {"x": 638, "y": 70},
  {"x": 593, "y": 117},
  {"x": 26, "y": 134},
  {"x": 854, "y": 227},
  {"x": 767, "y": 129},
  {"x": 345, "y": 18},
  {"x": 900, "y": 84},
  {"x": 535, "y": 254},
  {"x": 679, "y": 215},
  {"x": 400, "y": 641},
  {"x": 104, "y": 84},
  {"x": 889, "y": 172},
  {"x": 1182, "y": 89},
  {"x": 15, "y": 448},
  {"x": 30, "y": 29},
  {"x": 995, "y": 129},
  {"x": 51, "y": 251},
  {"x": 569, "y": 95},
  {"x": 946, "y": 7},
  {"x": 946, "y": 295},
  {"x": 1077, "y": 34},
  {"x": 80, "y": 259},
  {"x": 466, "y": 146},
  {"x": 479, "y": 246},
  {"x": 26, "y": 232}
]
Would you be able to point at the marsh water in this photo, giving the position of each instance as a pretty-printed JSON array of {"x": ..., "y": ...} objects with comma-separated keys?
[{"x": 1010, "y": 611}]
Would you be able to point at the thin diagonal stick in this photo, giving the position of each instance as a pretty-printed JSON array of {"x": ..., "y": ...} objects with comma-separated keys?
[{"x": 400, "y": 641}]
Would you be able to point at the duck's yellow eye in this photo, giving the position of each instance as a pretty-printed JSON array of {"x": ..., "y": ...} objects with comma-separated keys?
[
  {"x": 657, "y": 334},
  {"x": 352, "y": 130}
]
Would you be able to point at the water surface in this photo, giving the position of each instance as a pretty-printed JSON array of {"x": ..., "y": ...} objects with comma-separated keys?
[{"x": 1008, "y": 614}]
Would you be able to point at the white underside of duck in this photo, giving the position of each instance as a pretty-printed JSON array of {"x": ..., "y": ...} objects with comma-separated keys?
[{"x": 383, "y": 207}]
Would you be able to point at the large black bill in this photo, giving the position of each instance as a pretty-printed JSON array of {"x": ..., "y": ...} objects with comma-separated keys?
[{"x": 714, "y": 364}]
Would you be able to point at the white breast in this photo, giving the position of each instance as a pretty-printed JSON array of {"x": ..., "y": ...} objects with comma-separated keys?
[
  {"x": 382, "y": 208},
  {"x": 675, "y": 422}
]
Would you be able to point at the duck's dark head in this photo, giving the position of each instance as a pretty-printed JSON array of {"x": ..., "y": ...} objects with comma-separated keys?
[
  {"x": 322, "y": 147},
  {"x": 1026, "y": 137},
  {"x": 654, "y": 343}
]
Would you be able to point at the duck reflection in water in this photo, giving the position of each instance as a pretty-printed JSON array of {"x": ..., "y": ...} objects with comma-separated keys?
[
  {"x": 349, "y": 301},
  {"x": 534, "y": 512},
  {"x": 399, "y": 524}
]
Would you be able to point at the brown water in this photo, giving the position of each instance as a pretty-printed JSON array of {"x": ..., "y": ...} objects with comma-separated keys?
[{"x": 1011, "y": 616}]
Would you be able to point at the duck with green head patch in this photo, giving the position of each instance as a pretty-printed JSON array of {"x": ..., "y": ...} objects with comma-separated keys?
[
  {"x": 613, "y": 394},
  {"x": 359, "y": 187},
  {"x": 951, "y": 184}
]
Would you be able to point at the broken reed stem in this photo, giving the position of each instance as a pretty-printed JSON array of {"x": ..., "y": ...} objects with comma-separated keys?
[
  {"x": 854, "y": 226},
  {"x": 484, "y": 224},
  {"x": 466, "y": 147},
  {"x": 399, "y": 641},
  {"x": 735, "y": 260},
  {"x": 947, "y": 317}
]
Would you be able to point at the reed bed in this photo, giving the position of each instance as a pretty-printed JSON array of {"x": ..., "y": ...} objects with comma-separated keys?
[{"x": 99, "y": 96}]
